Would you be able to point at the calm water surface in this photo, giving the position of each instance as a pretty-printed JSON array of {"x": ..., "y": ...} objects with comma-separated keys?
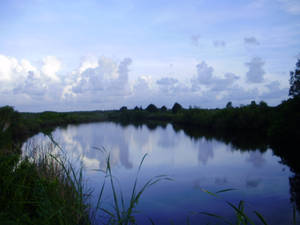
[{"x": 260, "y": 179}]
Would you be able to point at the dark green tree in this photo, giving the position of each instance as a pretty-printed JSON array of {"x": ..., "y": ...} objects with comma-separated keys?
[
  {"x": 229, "y": 105},
  {"x": 176, "y": 108},
  {"x": 152, "y": 108},
  {"x": 263, "y": 105},
  {"x": 123, "y": 109},
  {"x": 253, "y": 104},
  {"x": 295, "y": 81},
  {"x": 6, "y": 117},
  {"x": 163, "y": 109}
]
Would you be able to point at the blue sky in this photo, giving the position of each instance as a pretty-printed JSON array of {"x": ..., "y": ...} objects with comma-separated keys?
[{"x": 94, "y": 54}]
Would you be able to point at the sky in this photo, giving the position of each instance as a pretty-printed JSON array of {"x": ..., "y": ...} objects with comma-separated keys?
[{"x": 104, "y": 54}]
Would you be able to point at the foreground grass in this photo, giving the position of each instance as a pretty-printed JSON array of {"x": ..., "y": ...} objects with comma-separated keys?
[
  {"x": 123, "y": 213},
  {"x": 241, "y": 217},
  {"x": 41, "y": 190}
]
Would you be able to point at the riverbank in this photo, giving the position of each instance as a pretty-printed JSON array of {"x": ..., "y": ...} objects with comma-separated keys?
[
  {"x": 277, "y": 125},
  {"x": 41, "y": 189}
]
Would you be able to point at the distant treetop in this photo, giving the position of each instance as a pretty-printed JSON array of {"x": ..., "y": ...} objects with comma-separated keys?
[
  {"x": 123, "y": 109},
  {"x": 176, "y": 107},
  {"x": 163, "y": 108},
  {"x": 229, "y": 105},
  {"x": 151, "y": 108},
  {"x": 263, "y": 104},
  {"x": 295, "y": 81}
]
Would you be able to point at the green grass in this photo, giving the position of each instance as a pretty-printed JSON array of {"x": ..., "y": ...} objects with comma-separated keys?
[
  {"x": 41, "y": 189},
  {"x": 122, "y": 213},
  {"x": 241, "y": 218}
]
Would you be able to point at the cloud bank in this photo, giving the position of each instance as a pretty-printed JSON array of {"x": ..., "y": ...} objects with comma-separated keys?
[{"x": 105, "y": 83}]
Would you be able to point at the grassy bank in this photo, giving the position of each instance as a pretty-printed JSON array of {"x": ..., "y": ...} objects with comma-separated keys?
[
  {"x": 16, "y": 127},
  {"x": 41, "y": 189},
  {"x": 278, "y": 125}
]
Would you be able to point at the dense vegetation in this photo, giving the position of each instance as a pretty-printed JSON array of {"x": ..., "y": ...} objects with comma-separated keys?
[
  {"x": 17, "y": 126},
  {"x": 40, "y": 190},
  {"x": 277, "y": 126},
  {"x": 43, "y": 189}
]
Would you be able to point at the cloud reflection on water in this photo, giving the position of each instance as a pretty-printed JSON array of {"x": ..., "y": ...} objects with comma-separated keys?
[
  {"x": 193, "y": 162},
  {"x": 205, "y": 151},
  {"x": 253, "y": 182},
  {"x": 256, "y": 158}
]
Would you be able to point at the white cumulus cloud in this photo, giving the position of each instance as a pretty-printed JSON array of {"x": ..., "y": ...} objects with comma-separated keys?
[
  {"x": 13, "y": 72},
  {"x": 50, "y": 68},
  {"x": 205, "y": 76},
  {"x": 100, "y": 81},
  {"x": 256, "y": 72}
]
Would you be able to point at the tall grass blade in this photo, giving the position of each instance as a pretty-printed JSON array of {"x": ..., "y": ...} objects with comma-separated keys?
[
  {"x": 208, "y": 192},
  {"x": 117, "y": 209},
  {"x": 101, "y": 192},
  {"x": 151, "y": 221},
  {"x": 242, "y": 206},
  {"x": 122, "y": 201},
  {"x": 216, "y": 216},
  {"x": 240, "y": 217},
  {"x": 108, "y": 212},
  {"x": 261, "y": 217},
  {"x": 188, "y": 220},
  {"x": 135, "y": 196},
  {"x": 294, "y": 215},
  {"x": 141, "y": 163},
  {"x": 54, "y": 142},
  {"x": 225, "y": 190},
  {"x": 241, "y": 213}
]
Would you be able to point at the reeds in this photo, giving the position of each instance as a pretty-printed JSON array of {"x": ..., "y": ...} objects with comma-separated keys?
[
  {"x": 41, "y": 189},
  {"x": 122, "y": 213},
  {"x": 241, "y": 218}
]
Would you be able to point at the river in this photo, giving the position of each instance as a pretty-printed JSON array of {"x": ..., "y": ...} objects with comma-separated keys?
[{"x": 193, "y": 164}]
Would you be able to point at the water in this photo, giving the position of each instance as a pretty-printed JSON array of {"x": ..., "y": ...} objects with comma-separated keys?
[{"x": 193, "y": 163}]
